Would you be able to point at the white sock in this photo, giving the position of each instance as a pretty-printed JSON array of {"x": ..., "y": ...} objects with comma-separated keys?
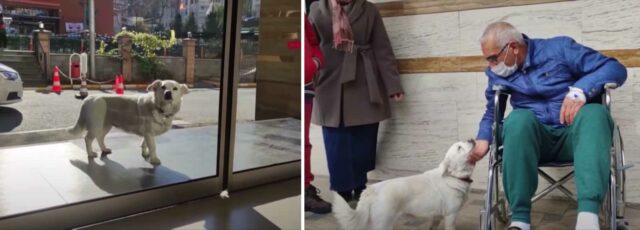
[
  {"x": 587, "y": 221},
  {"x": 521, "y": 225}
]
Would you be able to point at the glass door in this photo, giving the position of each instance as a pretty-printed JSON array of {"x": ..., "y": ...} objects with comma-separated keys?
[
  {"x": 51, "y": 179},
  {"x": 265, "y": 127}
]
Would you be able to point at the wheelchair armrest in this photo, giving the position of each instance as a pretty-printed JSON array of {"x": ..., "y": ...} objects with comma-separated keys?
[
  {"x": 610, "y": 85},
  {"x": 606, "y": 96},
  {"x": 499, "y": 87}
]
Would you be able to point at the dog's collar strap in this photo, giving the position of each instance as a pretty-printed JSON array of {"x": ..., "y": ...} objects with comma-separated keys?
[
  {"x": 465, "y": 179},
  {"x": 162, "y": 112}
]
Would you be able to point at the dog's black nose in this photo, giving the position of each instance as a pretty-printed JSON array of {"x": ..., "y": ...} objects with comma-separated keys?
[
  {"x": 167, "y": 95},
  {"x": 472, "y": 141}
]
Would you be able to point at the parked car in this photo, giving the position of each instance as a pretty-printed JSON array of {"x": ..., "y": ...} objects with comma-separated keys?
[{"x": 10, "y": 85}]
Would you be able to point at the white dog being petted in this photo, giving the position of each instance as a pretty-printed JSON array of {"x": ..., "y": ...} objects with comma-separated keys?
[
  {"x": 436, "y": 194},
  {"x": 147, "y": 115}
]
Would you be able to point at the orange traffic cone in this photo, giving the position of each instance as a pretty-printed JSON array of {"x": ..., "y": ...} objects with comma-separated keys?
[
  {"x": 56, "y": 81},
  {"x": 119, "y": 85}
]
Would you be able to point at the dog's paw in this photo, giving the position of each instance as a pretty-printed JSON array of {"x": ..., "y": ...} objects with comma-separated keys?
[
  {"x": 145, "y": 153},
  {"x": 154, "y": 161},
  {"x": 106, "y": 151}
]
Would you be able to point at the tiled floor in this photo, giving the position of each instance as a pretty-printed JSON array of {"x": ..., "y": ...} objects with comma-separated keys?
[
  {"x": 51, "y": 174},
  {"x": 246, "y": 209},
  {"x": 547, "y": 214}
]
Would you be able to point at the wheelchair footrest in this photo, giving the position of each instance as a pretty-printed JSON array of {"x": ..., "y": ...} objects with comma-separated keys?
[{"x": 625, "y": 167}]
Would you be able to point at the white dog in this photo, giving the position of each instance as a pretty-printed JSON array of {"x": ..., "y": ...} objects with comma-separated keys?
[
  {"x": 147, "y": 115},
  {"x": 437, "y": 193}
]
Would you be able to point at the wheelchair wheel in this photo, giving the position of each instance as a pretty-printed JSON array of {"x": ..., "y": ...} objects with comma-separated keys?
[
  {"x": 622, "y": 226},
  {"x": 502, "y": 207},
  {"x": 503, "y": 211},
  {"x": 619, "y": 167},
  {"x": 496, "y": 213},
  {"x": 495, "y": 224},
  {"x": 604, "y": 217},
  {"x": 608, "y": 218}
]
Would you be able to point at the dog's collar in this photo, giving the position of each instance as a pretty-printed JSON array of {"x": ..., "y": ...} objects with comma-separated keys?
[
  {"x": 162, "y": 112},
  {"x": 465, "y": 179}
]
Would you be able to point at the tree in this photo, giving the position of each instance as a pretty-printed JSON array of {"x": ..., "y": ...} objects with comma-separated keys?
[
  {"x": 177, "y": 24},
  {"x": 248, "y": 8},
  {"x": 191, "y": 25},
  {"x": 141, "y": 26},
  {"x": 162, "y": 5},
  {"x": 213, "y": 23}
]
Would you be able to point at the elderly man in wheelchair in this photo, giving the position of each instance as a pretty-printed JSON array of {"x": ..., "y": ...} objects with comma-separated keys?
[{"x": 552, "y": 83}]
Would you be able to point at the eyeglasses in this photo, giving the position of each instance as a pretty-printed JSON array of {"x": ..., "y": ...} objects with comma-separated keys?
[{"x": 494, "y": 58}]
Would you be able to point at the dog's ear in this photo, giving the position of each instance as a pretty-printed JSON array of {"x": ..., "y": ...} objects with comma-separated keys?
[
  {"x": 154, "y": 85},
  {"x": 184, "y": 89}
]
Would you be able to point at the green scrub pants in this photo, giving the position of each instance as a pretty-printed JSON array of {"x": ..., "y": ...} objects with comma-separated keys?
[{"x": 528, "y": 143}]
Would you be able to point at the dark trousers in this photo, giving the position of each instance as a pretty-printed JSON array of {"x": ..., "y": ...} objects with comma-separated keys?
[
  {"x": 3, "y": 39},
  {"x": 351, "y": 153}
]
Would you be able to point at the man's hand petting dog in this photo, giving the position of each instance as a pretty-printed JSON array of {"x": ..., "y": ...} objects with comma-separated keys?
[{"x": 479, "y": 151}]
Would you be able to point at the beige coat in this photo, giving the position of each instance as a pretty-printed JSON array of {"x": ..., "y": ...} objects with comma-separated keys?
[{"x": 362, "y": 81}]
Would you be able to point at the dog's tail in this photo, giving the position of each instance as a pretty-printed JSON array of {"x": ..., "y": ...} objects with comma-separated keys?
[
  {"x": 349, "y": 218},
  {"x": 77, "y": 129}
]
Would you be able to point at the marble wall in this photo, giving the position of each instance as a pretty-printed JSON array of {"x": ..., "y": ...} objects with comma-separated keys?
[{"x": 442, "y": 108}]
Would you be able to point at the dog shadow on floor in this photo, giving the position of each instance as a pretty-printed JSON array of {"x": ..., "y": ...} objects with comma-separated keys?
[{"x": 114, "y": 178}]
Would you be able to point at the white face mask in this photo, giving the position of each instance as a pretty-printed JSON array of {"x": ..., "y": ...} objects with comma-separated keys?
[{"x": 503, "y": 70}]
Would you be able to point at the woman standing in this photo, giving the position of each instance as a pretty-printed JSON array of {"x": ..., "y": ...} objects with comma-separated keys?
[{"x": 353, "y": 89}]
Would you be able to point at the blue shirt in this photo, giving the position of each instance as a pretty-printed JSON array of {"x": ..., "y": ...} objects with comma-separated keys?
[{"x": 550, "y": 67}]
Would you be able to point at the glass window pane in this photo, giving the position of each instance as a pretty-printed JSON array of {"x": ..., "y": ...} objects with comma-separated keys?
[
  {"x": 155, "y": 125},
  {"x": 268, "y": 115}
]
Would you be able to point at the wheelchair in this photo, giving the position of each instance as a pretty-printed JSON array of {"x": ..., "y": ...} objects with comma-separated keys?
[{"x": 496, "y": 208}]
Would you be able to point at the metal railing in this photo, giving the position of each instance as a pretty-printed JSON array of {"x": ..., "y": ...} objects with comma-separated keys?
[
  {"x": 65, "y": 44},
  {"x": 18, "y": 42},
  {"x": 249, "y": 47},
  {"x": 213, "y": 49},
  {"x": 208, "y": 49}
]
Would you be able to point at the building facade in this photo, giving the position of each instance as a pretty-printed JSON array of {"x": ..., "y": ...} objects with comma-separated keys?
[
  {"x": 58, "y": 16},
  {"x": 199, "y": 8}
]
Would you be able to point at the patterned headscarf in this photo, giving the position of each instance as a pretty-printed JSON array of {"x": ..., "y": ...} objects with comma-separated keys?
[{"x": 342, "y": 34}]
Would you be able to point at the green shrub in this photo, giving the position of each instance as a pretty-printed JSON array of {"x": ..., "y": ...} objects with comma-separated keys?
[{"x": 145, "y": 47}]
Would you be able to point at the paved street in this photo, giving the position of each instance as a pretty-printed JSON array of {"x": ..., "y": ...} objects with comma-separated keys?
[{"x": 39, "y": 111}]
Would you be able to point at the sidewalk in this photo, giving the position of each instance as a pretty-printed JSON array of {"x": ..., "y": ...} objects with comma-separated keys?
[{"x": 547, "y": 214}]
